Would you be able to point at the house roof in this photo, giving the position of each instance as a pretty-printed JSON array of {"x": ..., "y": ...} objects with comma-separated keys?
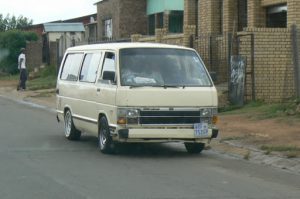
[{"x": 64, "y": 27}]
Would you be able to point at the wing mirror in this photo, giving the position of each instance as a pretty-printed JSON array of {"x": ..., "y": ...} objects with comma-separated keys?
[{"x": 109, "y": 76}]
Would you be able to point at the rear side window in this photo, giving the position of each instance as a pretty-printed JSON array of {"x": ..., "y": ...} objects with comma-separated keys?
[
  {"x": 90, "y": 67},
  {"x": 71, "y": 67}
]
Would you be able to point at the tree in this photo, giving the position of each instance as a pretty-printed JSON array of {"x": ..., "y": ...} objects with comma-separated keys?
[
  {"x": 13, "y": 23},
  {"x": 10, "y": 44}
]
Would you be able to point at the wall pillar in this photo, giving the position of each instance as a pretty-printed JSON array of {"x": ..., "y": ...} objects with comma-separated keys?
[{"x": 256, "y": 14}]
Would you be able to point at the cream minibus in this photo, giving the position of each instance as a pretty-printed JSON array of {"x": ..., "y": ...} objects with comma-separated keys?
[{"x": 137, "y": 92}]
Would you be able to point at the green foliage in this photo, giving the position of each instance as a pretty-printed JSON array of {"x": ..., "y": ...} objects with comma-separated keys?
[
  {"x": 48, "y": 71},
  {"x": 42, "y": 83},
  {"x": 10, "y": 44},
  {"x": 261, "y": 110},
  {"x": 46, "y": 79},
  {"x": 13, "y": 23}
]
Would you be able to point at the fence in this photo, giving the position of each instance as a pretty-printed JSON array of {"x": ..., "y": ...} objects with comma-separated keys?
[
  {"x": 296, "y": 58},
  {"x": 216, "y": 51}
]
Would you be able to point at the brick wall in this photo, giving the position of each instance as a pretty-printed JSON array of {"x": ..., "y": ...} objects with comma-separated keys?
[
  {"x": 293, "y": 12},
  {"x": 133, "y": 18},
  {"x": 190, "y": 17},
  {"x": 34, "y": 54},
  {"x": 272, "y": 2},
  {"x": 229, "y": 15},
  {"x": 106, "y": 10},
  {"x": 256, "y": 14},
  {"x": 161, "y": 36},
  {"x": 274, "y": 70},
  {"x": 128, "y": 17}
]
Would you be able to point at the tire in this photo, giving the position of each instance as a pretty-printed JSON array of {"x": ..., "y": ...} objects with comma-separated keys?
[
  {"x": 71, "y": 132},
  {"x": 105, "y": 142},
  {"x": 194, "y": 148}
]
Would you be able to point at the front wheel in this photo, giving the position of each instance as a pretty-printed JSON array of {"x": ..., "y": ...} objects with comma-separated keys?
[
  {"x": 194, "y": 148},
  {"x": 104, "y": 138},
  {"x": 71, "y": 132}
]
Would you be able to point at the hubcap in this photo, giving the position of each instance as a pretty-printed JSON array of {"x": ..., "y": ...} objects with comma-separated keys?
[
  {"x": 103, "y": 138},
  {"x": 68, "y": 124}
]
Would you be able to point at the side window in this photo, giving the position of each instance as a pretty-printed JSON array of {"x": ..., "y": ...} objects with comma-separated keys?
[
  {"x": 90, "y": 67},
  {"x": 71, "y": 67},
  {"x": 109, "y": 67}
]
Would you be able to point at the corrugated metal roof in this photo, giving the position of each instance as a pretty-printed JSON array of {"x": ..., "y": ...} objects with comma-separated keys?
[{"x": 64, "y": 27}]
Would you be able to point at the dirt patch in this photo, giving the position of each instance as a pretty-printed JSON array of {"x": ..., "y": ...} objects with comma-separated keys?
[
  {"x": 272, "y": 134},
  {"x": 43, "y": 97}
]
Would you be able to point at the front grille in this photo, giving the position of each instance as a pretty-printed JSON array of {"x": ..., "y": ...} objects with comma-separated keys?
[{"x": 171, "y": 117}]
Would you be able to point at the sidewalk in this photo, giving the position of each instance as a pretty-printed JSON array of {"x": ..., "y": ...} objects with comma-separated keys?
[{"x": 240, "y": 136}]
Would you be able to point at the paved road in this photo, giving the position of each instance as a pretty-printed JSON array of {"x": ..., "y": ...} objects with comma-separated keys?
[{"x": 36, "y": 161}]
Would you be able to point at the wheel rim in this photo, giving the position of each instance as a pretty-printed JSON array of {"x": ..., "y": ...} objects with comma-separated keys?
[
  {"x": 68, "y": 124},
  {"x": 102, "y": 137}
]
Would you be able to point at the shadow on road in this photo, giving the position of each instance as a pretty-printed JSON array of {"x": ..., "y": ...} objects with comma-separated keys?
[{"x": 157, "y": 150}]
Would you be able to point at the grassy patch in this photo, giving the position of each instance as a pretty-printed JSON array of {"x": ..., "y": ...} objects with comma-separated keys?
[
  {"x": 232, "y": 138},
  {"x": 261, "y": 110},
  {"x": 288, "y": 151},
  {"x": 42, "y": 83},
  {"x": 45, "y": 79},
  {"x": 10, "y": 77},
  {"x": 44, "y": 94},
  {"x": 280, "y": 148}
]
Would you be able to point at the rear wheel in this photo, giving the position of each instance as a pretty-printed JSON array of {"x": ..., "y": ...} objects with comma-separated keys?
[
  {"x": 194, "y": 148},
  {"x": 104, "y": 138},
  {"x": 71, "y": 132}
]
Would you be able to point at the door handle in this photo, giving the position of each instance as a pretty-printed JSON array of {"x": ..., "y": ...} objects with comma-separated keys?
[
  {"x": 98, "y": 90},
  {"x": 57, "y": 91}
]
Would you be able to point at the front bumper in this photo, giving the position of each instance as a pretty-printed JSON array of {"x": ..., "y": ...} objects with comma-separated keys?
[{"x": 163, "y": 134}]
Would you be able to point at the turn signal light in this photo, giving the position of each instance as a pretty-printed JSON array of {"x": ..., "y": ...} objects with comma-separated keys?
[
  {"x": 121, "y": 121},
  {"x": 215, "y": 119}
]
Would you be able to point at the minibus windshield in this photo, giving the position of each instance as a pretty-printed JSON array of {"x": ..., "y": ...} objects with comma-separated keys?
[{"x": 165, "y": 67}]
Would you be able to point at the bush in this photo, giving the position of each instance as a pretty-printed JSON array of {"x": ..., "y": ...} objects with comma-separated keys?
[{"x": 10, "y": 44}]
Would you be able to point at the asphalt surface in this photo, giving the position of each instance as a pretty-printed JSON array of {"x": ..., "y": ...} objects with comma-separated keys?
[{"x": 36, "y": 161}]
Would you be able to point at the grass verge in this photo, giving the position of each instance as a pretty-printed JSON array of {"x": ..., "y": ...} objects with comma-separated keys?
[
  {"x": 261, "y": 110},
  {"x": 45, "y": 79},
  {"x": 289, "y": 151}
]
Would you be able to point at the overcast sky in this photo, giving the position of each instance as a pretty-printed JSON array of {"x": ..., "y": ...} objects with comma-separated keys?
[{"x": 41, "y": 11}]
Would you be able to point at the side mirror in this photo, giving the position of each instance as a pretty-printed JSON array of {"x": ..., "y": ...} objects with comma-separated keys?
[{"x": 109, "y": 76}]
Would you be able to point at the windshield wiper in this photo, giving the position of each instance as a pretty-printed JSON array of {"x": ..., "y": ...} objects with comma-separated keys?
[{"x": 173, "y": 86}]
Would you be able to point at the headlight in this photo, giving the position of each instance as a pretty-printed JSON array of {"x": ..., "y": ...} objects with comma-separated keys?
[
  {"x": 210, "y": 113},
  {"x": 206, "y": 112},
  {"x": 128, "y": 116}
]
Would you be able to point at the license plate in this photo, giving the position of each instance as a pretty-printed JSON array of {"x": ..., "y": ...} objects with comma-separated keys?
[{"x": 201, "y": 129}]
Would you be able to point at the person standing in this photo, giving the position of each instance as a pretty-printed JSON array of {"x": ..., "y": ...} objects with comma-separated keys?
[{"x": 22, "y": 68}]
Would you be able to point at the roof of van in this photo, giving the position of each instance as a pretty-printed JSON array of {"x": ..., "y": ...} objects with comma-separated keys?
[{"x": 116, "y": 46}]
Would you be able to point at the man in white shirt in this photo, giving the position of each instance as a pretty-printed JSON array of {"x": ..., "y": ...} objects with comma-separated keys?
[{"x": 22, "y": 68}]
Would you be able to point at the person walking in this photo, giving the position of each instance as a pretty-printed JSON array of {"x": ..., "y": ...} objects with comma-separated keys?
[{"x": 22, "y": 68}]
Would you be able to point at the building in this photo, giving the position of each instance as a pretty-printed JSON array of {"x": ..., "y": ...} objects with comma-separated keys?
[
  {"x": 262, "y": 32},
  {"x": 57, "y": 37},
  {"x": 118, "y": 20},
  {"x": 166, "y": 14}
]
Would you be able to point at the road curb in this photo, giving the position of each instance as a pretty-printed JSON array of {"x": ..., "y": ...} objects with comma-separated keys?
[{"x": 252, "y": 154}]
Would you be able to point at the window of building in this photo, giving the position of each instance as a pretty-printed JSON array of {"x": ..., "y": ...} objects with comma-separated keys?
[
  {"x": 277, "y": 16},
  {"x": 90, "y": 67},
  {"x": 151, "y": 24},
  {"x": 160, "y": 20},
  {"x": 108, "y": 28},
  {"x": 176, "y": 22},
  {"x": 242, "y": 14},
  {"x": 71, "y": 67}
]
